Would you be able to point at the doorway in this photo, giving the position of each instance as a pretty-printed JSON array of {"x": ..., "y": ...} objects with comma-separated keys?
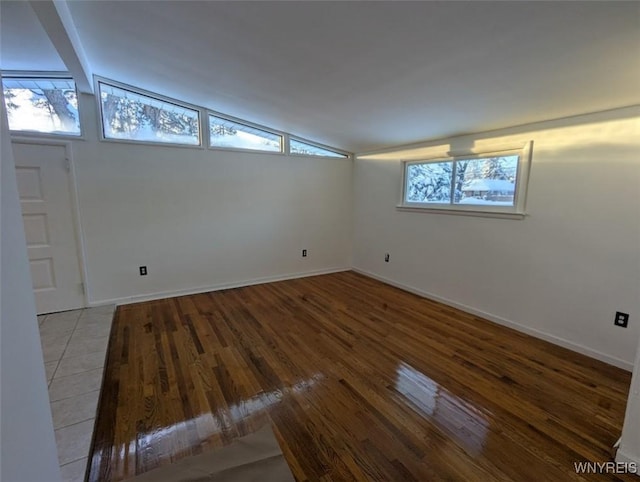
[{"x": 43, "y": 172}]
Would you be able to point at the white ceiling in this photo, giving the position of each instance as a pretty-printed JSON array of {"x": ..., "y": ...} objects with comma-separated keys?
[
  {"x": 359, "y": 75},
  {"x": 24, "y": 45}
]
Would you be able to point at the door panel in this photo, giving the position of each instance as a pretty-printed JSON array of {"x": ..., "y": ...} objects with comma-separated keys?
[{"x": 47, "y": 211}]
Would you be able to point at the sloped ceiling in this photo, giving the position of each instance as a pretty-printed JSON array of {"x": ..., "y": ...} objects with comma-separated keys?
[
  {"x": 366, "y": 75},
  {"x": 24, "y": 45}
]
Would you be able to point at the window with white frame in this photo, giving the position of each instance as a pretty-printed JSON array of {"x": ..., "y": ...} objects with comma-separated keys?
[
  {"x": 237, "y": 135},
  {"x": 307, "y": 149},
  {"x": 48, "y": 103},
  {"x": 492, "y": 182},
  {"x": 42, "y": 104},
  {"x": 134, "y": 116}
]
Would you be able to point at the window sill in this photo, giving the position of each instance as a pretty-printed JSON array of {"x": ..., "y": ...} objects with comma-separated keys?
[
  {"x": 461, "y": 212},
  {"x": 149, "y": 143},
  {"x": 45, "y": 136},
  {"x": 241, "y": 150}
]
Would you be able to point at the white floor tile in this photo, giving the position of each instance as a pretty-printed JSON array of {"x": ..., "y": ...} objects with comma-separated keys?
[
  {"x": 82, "y": 337},
  {"x": 50, "y": 369},
  {"x": 106, "y": 309},
  {"x": 93, "y": 330},
  {"x": 84, "y": 346},
  {"x": 54, "y": 338},
  {"x": 95, "y": 321},
  {"x": 53, "y": 352},
  {"x": 79, "y": 364},
  {"x": 64, "y": 316},
  {"x": 98, "y": 312},
  {"x": 53, "y": 325},
  {"x": 74, "y": 441},
  {"x": 74, "y": 471},
  {"x": 75, "y": 409},
  {"x": 74, "y": 385}
]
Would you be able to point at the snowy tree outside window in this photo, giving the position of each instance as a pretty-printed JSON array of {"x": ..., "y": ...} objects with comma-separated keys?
[
  {"x": 48, "y": 105},
  {"x": 137, "y": 117},
  {"x": 306, "y": 149},
  {"x": 429, "y": 182},
  {"x": 235, "y": 135},
  {"x": 473, "y": 183}
]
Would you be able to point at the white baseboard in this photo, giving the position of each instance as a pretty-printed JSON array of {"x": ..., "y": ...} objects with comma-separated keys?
[
  {"x": 623, "y": 458},
  {"x": 203, "y": 289},
  {"x": 468, "y": 309},
  {"x": 508, "y": 323}
]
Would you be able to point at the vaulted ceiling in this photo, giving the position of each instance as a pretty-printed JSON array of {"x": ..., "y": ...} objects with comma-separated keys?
[{"x": 356, "y": 75}]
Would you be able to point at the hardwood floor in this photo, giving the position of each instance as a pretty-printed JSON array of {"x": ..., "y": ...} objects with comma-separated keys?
[{"x": 360, "y": 380}]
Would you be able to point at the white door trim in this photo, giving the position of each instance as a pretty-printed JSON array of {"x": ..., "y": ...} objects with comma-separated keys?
[{"x": 75, "y": 206}]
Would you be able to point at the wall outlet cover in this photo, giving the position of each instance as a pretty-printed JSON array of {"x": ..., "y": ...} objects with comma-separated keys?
[{"x": 621, "y": 319}]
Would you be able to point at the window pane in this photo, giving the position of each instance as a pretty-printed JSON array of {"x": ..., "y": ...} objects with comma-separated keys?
[
  {"x": 429, "y": 182},
  {"x": 226, "y": 133},
  {"x": 298, "y": 147},
  {"x": 137, "y": 117},
  {"x": 487, "y": 181},
  {"x": 42, "y": 105}
]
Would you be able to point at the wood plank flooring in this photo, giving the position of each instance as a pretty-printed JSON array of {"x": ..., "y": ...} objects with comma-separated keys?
[{"x": 360, "y": 381}]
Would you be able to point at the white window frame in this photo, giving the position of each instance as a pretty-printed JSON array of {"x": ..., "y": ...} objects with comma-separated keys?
[
  {"x": 517, "y": 211},
  {"x": 203, "y": 119},
  {"x": 33, "y": 74},
  {"x": 202, "y": 116},
  {"x": 347, "y": 155},
  {"x": 248, "y": 124}
]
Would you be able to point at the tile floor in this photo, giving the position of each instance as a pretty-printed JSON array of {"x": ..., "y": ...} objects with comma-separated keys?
[{"x": 74, "y": 345}]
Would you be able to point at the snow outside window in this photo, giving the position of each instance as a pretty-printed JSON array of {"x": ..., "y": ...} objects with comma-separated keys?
[
  {"x": 129, "y": 115},
  {"x": 492, "y": 183},
  {"x": 306, "y": 149},
  {"x": 236, "y": 135},
  {"x": 48, "y": 105}
]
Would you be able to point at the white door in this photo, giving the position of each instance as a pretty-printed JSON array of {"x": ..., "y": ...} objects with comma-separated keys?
[{"x": 44, "y": 188}]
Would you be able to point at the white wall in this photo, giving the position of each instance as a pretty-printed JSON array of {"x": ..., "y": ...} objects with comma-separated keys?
[
  {"x": 203, "y": 219},
  {"x": 562, "y": 272},
  {"x": 27, "y": 444},
  {"x": 629, "y": 450}
]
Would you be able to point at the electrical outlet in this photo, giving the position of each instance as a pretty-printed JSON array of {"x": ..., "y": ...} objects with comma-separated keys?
[
  {"x": 621, "y": 319},
  {"x": 386, "y": 258},
  {"x": 143, "y": 271},
  {"x": 304, "y": 253}
]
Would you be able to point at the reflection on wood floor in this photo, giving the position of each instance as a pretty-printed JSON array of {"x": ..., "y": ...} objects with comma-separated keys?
[{"x": 360, "y": 380}]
